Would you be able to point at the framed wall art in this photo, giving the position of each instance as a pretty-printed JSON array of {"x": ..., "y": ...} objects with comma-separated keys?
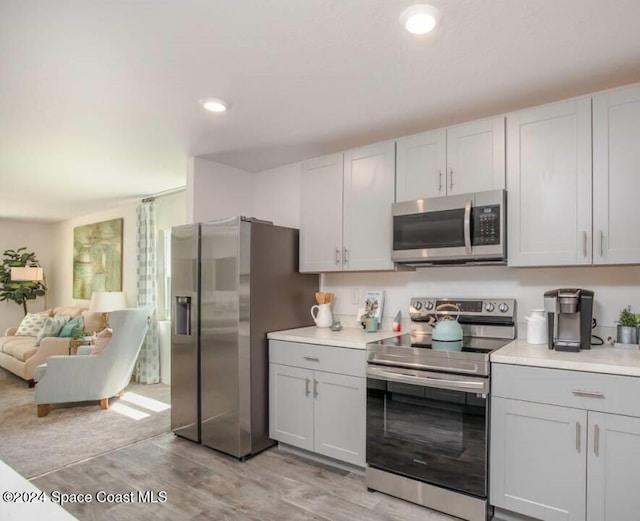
[{"x": 97, "y": 258}]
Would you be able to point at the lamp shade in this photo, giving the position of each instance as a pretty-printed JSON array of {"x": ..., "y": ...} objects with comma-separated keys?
[
  {"x": 107, "y": 301},
  {"x": 34, "y": 273}
]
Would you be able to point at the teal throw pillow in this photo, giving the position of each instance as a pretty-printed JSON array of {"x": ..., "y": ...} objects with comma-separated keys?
[
  {"x": 73, "y": 329},
  {"x": 51, "y": 327}
]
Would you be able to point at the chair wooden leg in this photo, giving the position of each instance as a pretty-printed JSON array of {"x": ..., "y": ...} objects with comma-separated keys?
[
  {"x": 104, "y": 403},
  {"x": 43, "y": 409},
  {"x": 31, "y": 383},
  {"x": 120, "y": 394}
]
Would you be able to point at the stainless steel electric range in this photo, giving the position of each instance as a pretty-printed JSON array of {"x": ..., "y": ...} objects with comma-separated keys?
[{"x": 427, "y": 406}]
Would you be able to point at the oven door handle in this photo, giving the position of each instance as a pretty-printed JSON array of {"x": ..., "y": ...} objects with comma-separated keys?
[
  {"x": 467, "y": 226},
  {"x": 475, "y": 385}
]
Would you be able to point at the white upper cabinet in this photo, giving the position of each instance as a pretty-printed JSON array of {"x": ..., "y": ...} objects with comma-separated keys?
[
  {"x": 461, "y": 159},
  {"x": 616, "y": 176},
  {"x": 345, "y": 210},
  {"x": 475, "y": 156},
  {"x": 549, "y": 185},
  {"x": 421, "y": 167},
  {"x": 368, "y": 196},
  {"x": 321, "y": 214}
]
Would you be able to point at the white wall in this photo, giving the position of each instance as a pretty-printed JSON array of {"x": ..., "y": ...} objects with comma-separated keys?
[
  {"x": 276, "y": 195},
  {"x": 37, "y": 238},
  {"x": 614, "y": 287},
  {"x": 219, "y": 191}
]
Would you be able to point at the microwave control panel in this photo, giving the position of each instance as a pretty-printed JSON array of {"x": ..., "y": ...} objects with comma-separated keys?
[{"x": 486, "y": 225}]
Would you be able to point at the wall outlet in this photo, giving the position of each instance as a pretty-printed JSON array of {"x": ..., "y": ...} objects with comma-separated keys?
[{"x": 355, "y": 296}]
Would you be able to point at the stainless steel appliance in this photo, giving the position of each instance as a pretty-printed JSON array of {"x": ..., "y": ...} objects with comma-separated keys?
[
  {"x": 569, "y": 315},
  {"x": 427, "y": 407},
  {"x": 458, "y": 229},
  {"x": 233, "y": 280}
]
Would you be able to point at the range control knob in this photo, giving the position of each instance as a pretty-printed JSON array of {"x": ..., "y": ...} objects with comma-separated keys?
[
  {"x": 417, "y": 305},
  {"x": 489, "y": 307},
  {"x": 503, "y": 307},
  {"x": 429, "y": 305}
]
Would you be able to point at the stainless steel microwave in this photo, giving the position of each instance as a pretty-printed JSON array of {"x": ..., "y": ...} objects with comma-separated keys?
[{"x": 458, "y": 229}]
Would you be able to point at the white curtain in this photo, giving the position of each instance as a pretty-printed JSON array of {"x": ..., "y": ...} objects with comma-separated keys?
[{"x": 148, "y": 365}]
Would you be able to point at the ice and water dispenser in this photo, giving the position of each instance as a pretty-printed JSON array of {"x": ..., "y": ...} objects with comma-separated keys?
[{"x": 183, "y": 316}]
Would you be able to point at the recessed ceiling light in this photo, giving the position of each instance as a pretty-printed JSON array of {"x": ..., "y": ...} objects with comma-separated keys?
[
  {"x": 214, "y": 104},
  {"x": 420, "y": 18}
]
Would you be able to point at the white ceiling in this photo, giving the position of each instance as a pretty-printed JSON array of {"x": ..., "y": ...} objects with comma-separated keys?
[{"x": 99, "y": 98}]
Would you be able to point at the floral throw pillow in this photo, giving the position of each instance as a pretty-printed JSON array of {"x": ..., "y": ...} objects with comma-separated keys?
[
  {"x": 51, "y": 327},
  {"x": 31, "y": 324},
  {"x": 101, "y": 340}
]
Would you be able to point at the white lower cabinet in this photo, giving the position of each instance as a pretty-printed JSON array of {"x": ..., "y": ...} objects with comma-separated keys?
[
  {"x": 317, "y": 399},
  {"x": 565, "y": 459}
]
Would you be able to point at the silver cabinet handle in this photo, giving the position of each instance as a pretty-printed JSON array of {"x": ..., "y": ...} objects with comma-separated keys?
[
  {"x": 578, "y": 436},
  {"x": 346, "y": 256},
  {"x": 450, "y": 179},
  {"x": 307, "y": 391},
  {"x": 311, "y": 358},
  {"x": 596, "y": 440},
  {"x": 601, "y": 243},
  {"x": 315, "y": 388},
  {"x": 588, "y": 394},
  {"x": 439, "y": 181},
  {"x": 337, "y": 256},
  {"x": 584, "y": 244}
]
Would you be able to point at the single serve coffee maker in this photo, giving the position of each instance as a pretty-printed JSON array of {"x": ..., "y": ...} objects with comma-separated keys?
[{"x": 569, "y": 314}]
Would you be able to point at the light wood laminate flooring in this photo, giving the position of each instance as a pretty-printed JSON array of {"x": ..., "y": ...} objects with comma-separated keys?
[{"x": 202, "y": 484}]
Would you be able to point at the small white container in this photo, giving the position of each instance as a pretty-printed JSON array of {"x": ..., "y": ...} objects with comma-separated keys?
[{"x": 536, "y": 327}]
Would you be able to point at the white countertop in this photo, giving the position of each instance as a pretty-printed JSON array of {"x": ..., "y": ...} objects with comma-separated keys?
[
  {"x": 598, "y": 359},
  {"x": 350, "y": 337}
]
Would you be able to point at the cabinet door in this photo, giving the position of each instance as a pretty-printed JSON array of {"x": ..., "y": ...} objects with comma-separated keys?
[
  {"x": 369, "y": 182},
  {"x": 475, "y": 157},
  {"x": 291, "y": 405},
  {"x": 421, "y": 166},
  {"x": 340, "y": 417},
  {"x": 613, "y": 479},
  {"x": 321, "y": 214},
  {"x": 549, "y": 185},
  {"x": 616, "y": 180},
  {"x": 538, "y": 459}
]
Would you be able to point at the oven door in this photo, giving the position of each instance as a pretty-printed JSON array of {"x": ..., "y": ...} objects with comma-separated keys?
[{"x": 428, "y": 426}]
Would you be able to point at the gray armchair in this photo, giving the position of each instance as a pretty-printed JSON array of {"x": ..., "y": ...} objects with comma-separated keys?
[{"x": 86, "y": 377}]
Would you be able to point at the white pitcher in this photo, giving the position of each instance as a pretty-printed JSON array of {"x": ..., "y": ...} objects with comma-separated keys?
[
  {"x": 536, "y": 327},
  {"x": 323, "y": 316}
]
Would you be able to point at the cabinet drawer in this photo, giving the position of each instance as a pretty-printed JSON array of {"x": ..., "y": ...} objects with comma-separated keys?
[
  {"x": 322, "y": 358},
  {"x": 581, "y": 390}
]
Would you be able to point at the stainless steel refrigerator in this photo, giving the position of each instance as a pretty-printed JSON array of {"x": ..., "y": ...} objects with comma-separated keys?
[{"x": 232, "y": 281}]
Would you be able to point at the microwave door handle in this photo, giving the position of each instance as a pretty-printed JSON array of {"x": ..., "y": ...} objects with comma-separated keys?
[{"x": 467, "y": 226}]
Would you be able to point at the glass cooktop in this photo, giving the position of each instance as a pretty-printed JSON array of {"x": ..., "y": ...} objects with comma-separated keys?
[{"x": 467, "y": 345}]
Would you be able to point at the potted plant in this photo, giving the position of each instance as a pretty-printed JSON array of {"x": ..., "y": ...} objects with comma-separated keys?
[
  {"x": 627, "y": 332},
  {"x": 19, "y": 291}
]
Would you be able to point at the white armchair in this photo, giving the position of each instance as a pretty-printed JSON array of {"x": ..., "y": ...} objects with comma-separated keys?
[{"x": 85, "y": 376}]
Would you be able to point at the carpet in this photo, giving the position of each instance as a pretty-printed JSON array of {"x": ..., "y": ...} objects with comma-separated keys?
[{"x": 73, "y": 432}]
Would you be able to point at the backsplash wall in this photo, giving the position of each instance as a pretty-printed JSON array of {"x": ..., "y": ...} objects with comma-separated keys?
[{"x": 614, "y": 287}]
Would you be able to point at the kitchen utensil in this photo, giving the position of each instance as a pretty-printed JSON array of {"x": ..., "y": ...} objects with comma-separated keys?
[
  {"x": 319, "y": 297},
  {"x": 323, "y": 316},
  {"x": 447, "y": 328},
  {"x": 536, "y": 327}
]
